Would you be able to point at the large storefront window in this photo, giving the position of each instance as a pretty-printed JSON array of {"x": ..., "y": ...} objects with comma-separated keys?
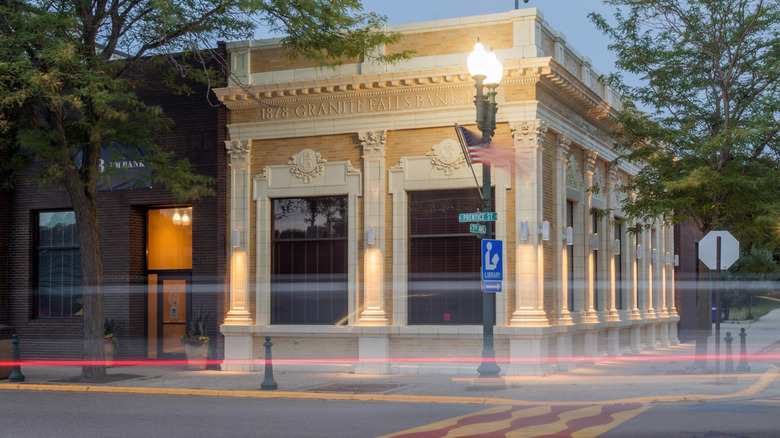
[
  {"x": 309, "y": 261},
  {"x": 444, "y": 265},
  {"x": 58, "y": 266}
]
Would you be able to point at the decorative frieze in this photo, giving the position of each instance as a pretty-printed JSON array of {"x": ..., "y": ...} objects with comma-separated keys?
[
  {"x": 306, "y": 165},
  {"x": 239, "y": 151}
]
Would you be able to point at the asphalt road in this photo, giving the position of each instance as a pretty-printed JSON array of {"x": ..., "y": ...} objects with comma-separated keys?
[
  {"x": 58, "y": 414},
  {"x": 86, "y": 415}
]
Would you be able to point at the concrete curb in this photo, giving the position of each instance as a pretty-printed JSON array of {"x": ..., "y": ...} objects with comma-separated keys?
[{"x": 761, "y": 384}]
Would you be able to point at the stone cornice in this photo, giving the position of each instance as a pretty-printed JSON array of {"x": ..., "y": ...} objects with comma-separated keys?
[{"x": 373, "y": 85}]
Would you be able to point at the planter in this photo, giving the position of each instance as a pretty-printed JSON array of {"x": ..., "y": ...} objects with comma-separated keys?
[
  {"x": 196, "y": 356},
  {"x": 108, "y": 351}
]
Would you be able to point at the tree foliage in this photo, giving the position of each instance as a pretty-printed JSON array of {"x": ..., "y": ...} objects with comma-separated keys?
[
  {"x": 66, "y": 89},
  {"x": 703, "y": 121}
]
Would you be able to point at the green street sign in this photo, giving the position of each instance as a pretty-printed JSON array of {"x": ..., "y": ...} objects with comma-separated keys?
[
  {"x": 478, "y": 217},
  {"x": 478, "y": 228}
]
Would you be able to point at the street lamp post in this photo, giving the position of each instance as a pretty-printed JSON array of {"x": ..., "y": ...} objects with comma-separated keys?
[{"x": 487, "y": 72}]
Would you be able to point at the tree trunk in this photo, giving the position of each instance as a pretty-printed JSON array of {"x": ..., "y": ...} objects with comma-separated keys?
[{"x": 84, "y": 199}]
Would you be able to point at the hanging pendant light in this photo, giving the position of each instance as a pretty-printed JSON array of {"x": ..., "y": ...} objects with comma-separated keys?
[{"x": 176, "y": 218}]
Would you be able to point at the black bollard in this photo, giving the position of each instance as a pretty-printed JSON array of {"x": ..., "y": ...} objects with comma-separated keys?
[
  {"x": 743, "y": 365},
  {"x": 729, "y": 363},
  {"x": 16, "y": 372},
  {"x": 268, "y": 382}
]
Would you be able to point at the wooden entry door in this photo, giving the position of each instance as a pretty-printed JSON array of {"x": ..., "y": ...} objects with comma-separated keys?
[{"x": 174, "y": 292}]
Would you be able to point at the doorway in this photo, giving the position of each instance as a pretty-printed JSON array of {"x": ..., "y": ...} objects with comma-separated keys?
[{"x": 169, "y": 279}]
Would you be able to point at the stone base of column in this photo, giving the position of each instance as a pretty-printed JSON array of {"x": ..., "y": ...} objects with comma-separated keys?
[
  {"x": 613, "y": 342},
  {"x": 529, "y": 357},
  {"x": 673, "y": 336},
  {"x": 590, "y": 346},
  {"x": 373, "y": 318},
  {"x": 238, "y": 317},
  {"x": 525, "y": 318},
  {"x": 565, "y": 351},
  {"x": 564, "y": 318},
  {"x": 373, "y": 356},
  {"x": 651, "y": 342},
  {"x": 663, "y": 335},
  {"x": 636, "y": 339},
  {"x": 239, "y": 354}
]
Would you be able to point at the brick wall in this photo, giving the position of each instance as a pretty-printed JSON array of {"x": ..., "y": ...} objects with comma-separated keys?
[{"x": 198, "y": 134}]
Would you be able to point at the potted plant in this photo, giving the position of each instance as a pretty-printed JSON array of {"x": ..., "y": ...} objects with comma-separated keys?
[
  {"x": 196, "y": 341},
  {"x": 110, "y": 341}
]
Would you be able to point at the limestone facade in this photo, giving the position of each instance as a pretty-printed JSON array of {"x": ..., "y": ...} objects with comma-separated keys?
[{"x": 379, "y": 141}]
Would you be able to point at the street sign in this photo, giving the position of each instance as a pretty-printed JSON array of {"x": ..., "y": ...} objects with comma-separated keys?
[
  {"x": 478, "y": 217},
  {"x": 492, "y": 260},
  {"x": 491, "y": 286},
  {"x": 708, "y": 249},
  {"x": 478, "y": 228}
]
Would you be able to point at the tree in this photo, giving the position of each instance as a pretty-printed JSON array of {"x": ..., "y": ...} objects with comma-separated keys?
[
  {"x": 709, "y": 77},
  {"x": 752, "y": 274},
  {"x": 65, "y": 90}
]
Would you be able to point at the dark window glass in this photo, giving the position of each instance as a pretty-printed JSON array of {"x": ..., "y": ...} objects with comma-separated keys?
[
  {"x": 309, "y": 261},
  {"x": 570, "y": 255},
  {"x": 444, "y": 265},
  {"x": 596, "y": 286},
  {"x": 58, "y": 266},
  {"x": 619, "y": 268}
]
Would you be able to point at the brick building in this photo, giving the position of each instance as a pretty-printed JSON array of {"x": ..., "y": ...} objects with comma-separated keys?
[
  {"x": 346, "y": 186},
  {"x": 163, "y": 260}
]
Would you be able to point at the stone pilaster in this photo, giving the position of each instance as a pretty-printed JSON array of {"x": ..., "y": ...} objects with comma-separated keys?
[
  {"x": 373, "y": 143},
  {"x": 239, "y": 152},
  {"x": 590, "y": 255},
  {"x": 609, "y": 247},
  {"x": 558, "y": 234},
  {"x": 529, "y": 202}
]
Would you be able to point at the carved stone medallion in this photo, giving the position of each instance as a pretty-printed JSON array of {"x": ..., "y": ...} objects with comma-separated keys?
[
  {"x": 306, "y": 165},
  {"x": 447, "y": 156}
]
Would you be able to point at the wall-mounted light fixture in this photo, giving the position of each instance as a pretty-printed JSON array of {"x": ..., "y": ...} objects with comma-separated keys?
[
  {"x": 667, "y": 258},
  {"x": 371, "y": 235},
  {"x": 524, "y": 230},
  {"x": 594, "y": 241},
  {"x": 654, "y": 254},
  {"x": 616, "y": 247},
  {"x": 545, "y": 231},
  {"x": 638, "y": 251},
  {"x": 569, "y": 236},
  {"x": 676, "y": 260},
  {"x": 235, "y": 238}
]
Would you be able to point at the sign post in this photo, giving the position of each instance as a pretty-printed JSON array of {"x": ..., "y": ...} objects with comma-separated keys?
[{"x": 718, "y": 250}]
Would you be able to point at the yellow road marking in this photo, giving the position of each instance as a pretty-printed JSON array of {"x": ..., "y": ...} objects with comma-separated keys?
[{"x": 761, "y": 384}]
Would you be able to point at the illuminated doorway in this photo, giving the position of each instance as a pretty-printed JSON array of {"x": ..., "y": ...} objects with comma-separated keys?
[{"x": 169, "y": 279}]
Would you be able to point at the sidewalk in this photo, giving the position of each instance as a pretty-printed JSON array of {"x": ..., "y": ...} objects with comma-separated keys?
[{"x": 663, "y": 374}]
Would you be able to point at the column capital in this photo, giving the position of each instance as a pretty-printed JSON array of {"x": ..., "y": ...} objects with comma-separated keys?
[
  {"x": 239, "y": 151},
  {"x": 590, "y": 161},
  {"x": 564, "y": 143},
  {"x": 529, "y": 132},
  {"x": 613, "y": 178},
  {"x": 373, "y": 142}
]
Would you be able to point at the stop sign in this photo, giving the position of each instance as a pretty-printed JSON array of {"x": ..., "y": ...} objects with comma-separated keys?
[{"x": 708, "y": 249}]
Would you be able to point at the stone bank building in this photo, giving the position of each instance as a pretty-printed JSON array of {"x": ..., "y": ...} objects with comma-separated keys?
[{"x": 344, "y": 190}]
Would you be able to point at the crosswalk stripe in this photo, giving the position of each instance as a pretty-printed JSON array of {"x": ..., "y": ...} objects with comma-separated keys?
[{"x": 529, "y": 422}]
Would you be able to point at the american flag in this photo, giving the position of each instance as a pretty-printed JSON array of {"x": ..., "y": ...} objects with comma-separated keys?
[{"x": 478, "y": 151}]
